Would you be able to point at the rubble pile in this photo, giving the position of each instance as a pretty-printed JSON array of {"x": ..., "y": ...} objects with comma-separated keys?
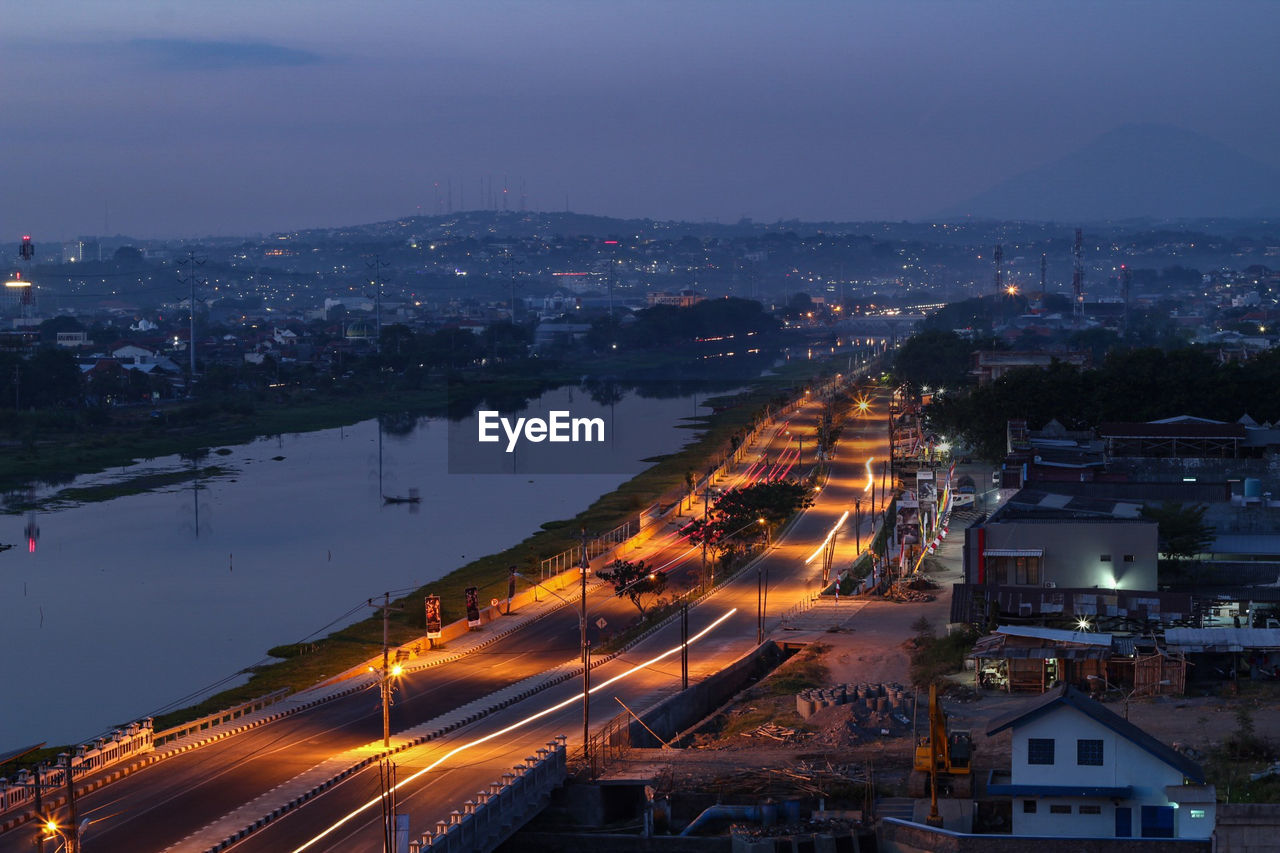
[
  {"x": 772, "y": 731},
  {"x": 805, "y": 778},
  {"x": 909, "y": 591}
]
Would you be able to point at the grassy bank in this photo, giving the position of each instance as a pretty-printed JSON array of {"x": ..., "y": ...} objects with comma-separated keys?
[{"x": 360, "y": 641}]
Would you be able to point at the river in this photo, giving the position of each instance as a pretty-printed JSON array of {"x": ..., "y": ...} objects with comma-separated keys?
[{"x": 133, "y": 604}]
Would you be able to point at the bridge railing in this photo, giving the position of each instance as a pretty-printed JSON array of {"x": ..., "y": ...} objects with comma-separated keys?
[
  {"x": 120, "y": 744},
  {"x": 498, "y": 811},
  {"x": 220, "y": 717}
]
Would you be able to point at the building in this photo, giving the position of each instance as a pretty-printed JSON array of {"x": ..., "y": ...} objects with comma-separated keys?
[
  {"x": 990, "y": 365},
  {"x": 1079, "y": 770},
  {"x": 682, "y": 299},
  {"x": 1041, "y": 539}
]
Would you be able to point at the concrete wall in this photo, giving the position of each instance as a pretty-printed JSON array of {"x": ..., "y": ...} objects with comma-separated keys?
[
  {"x": 1124, "y": 764},
  {"x": 1248, "y": 828},
  {"x": 1073, "y": 550},
  {"x": 897, "y": 836},
  {"x": 678, "y": 712},
  {"x": 564, "y": 842}
]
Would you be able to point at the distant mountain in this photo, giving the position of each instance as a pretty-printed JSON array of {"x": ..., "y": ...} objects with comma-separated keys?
[{"x": 1135, "y": 171}]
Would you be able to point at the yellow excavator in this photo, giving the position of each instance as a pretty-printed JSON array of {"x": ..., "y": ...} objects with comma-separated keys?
[{"x": 943, "y": 759}]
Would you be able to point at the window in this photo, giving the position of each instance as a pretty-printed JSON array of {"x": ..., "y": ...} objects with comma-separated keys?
[
  {"x": 1128, "y": 558},
  {"x": 1091, "y": 810},
  {"x": 1059, "y": 809},
  {"x": 1040, "y": 750},
  {"x": 1089, "y": 752},
  {"x": 1014, "y": 570},
  {"x": 1028, "y": 806},
  {"x": 1106, "y": 558}
]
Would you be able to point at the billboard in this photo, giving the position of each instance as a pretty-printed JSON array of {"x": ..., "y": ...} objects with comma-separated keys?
[
  {"x": 433, "y": 617},
  {"x": 473, "y": 607}
]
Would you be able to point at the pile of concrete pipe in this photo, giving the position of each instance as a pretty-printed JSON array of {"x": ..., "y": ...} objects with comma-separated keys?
[{"x": 882, "y": 698}]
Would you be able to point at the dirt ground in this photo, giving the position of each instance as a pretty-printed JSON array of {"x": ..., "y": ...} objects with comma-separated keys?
[{"x": 761, "y": 737}]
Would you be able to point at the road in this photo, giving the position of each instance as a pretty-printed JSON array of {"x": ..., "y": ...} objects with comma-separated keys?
[
  {"x": 348, "y": 817},
  {"x": 161, "y": 805}
]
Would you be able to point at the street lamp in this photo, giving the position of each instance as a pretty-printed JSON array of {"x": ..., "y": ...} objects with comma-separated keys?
[
  {"x": 857, "y": 527},
  {"x": 585, "y": 569},
  {"x": 51, "y": 828}
]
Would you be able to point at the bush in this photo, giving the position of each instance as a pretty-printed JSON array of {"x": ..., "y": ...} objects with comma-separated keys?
[{"x": 935, "y": 657}]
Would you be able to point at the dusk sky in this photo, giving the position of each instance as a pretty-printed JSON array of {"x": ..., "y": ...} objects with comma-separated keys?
[{"x": 184, "y": 119}]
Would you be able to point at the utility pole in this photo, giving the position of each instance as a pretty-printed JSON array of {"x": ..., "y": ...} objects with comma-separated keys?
[
  {"x": 706, "y": 499},
  {"x": 386, "y": 609},
  {"x": 759, "y": 605},
  {"x": 387, "y": 779},
  {"x": 684, "y": 647},
  {"x": 73, "y": 834},
  {"x": 191, "y": 280},
  {"x": 377, "y": 266},
  {"x": 857, "y": 525},
  {"x": 586, "y": 660},
  {"x": 39, "y": 811}
]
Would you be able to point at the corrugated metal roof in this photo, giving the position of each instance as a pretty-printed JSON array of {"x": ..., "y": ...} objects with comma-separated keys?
[
  {"x": 1246, "y": 543},
  {"x": 1056, "y": 635},
  {"x": 1013, "y": 552},
  {"x": 1225, "y": 639},
  {"x": 1167, "y": 430}
]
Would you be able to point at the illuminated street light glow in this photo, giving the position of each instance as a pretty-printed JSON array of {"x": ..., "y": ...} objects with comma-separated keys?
[
  {"x": 831, "y": 533},
  {"x": 516, "y": 725}
]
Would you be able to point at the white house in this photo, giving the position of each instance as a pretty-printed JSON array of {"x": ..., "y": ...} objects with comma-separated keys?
[{"x": 1080, "y": 770}]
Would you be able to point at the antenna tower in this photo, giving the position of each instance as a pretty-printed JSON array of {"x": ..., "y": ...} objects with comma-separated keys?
[
  {"x": 1077, "y": 281},
  {"x": 999, "y": 270}
]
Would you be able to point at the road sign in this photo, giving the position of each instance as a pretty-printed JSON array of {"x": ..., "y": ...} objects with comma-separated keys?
[{"x": 601, "y": 624}]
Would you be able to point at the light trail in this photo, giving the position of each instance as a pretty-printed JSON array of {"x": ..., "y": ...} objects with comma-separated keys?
[
  {"x": 871, "y": 478},
  {"x": 832, "y": 532},
  {"x": 516, "y": 725}
]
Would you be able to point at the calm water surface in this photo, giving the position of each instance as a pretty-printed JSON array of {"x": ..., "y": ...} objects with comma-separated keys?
[{"x": 129, "y": 605}]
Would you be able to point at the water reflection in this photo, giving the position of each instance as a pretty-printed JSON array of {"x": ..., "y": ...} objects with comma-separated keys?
[{"x": 136, "y": 609}]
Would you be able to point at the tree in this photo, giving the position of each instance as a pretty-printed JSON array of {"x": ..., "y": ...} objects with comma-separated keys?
[
  {"x": 938, "y": 359},
  {"x": 739, "y": 512},
  {"x": 1183, "y": 532},
  {"x": 634, "y": 580}
]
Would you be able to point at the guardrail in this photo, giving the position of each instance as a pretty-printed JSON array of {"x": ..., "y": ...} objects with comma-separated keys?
[
  {"x": 502, "y": 808},
  {"x": 133, "y": 739},
  {"x": 220, "y": 717}
]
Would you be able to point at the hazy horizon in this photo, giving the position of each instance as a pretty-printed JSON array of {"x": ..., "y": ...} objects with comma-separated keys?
[{"x": 144, "y": 119}]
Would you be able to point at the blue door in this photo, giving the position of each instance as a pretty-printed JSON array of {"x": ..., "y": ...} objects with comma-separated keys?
[
  {"x": 1157, "y": 821},
  {"x": 1124, "y": 822}
]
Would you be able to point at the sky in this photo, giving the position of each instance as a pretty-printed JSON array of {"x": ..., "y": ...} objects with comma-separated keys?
[{"x": 230, "y": 117}]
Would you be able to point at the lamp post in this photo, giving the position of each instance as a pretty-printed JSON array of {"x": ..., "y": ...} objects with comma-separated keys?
[
  {"x": 585, "y": 569},
  {"x": 857, "y": 526},
  {"x": 50, "y": 827},
  {"x": 388, "y": 671}
]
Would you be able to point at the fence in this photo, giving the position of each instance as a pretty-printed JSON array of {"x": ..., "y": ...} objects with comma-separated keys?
[
  {"x": 502, "y": 808},
  {"x": 220, "y": 717},
  {"x": 134, "y": 739},
  {"x": 606, "y": 746},
  {"x": 595, "y": 547},
  {"x": 614, "y": 538}
]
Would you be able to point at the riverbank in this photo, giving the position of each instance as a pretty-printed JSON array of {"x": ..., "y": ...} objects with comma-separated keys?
[
  {"x": 303, "y": 666},
  {"x": 54, "y": 447}
]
